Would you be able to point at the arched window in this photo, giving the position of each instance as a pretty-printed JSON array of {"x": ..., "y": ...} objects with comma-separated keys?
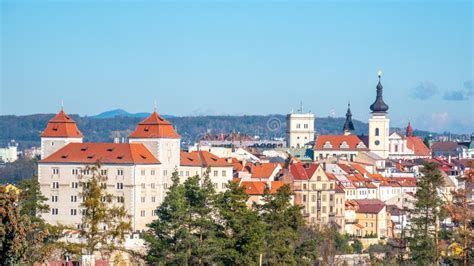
[{"x": 377, "y": 131}]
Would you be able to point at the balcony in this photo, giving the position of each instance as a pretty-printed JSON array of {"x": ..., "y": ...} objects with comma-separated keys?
[{"x": 351, "y": 221}]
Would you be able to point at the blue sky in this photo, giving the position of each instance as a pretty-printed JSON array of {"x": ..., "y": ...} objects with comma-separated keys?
[{"x": 240, "y": 58}]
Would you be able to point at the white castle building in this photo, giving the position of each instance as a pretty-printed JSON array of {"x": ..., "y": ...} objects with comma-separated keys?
[{"x": 139, "y": 172}]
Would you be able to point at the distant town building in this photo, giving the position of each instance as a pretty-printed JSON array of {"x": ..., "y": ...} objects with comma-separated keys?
[
  {"x": 238, "y": 140},
  {"x": 10, "y": 153}
]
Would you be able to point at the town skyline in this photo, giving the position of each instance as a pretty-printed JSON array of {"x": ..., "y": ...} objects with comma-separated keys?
[{"x": 198, "y": 59}]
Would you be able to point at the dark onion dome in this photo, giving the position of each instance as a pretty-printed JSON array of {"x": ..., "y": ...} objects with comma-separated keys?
[
  {"x": 379, "y": 106},
  {"x": 348, "y": 125}
]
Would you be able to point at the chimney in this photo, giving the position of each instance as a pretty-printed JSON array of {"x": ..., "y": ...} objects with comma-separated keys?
[{"x": 116, "y": 140}]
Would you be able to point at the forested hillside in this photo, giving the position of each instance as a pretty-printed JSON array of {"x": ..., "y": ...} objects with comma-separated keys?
[{"x": 26, "y": 129}]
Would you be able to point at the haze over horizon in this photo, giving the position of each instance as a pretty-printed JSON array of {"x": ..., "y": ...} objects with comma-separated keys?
[{"x": 241, "y": 58}]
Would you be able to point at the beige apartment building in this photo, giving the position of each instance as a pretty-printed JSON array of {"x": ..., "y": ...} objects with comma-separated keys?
[
  {"x": 138, "y": 173},
  {"x": 315, "y": 191}
]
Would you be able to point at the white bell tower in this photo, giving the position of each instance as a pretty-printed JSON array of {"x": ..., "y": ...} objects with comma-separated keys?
[{"x": 379, "y": 124}]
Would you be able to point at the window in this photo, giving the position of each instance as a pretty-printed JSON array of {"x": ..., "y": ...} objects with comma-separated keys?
[
  {"x": 165, "y": 185},
  {"x": 73, "y": 198},
  {"x": 52, "y": 143},
  {"x": 304, "y": 186},
  {"x": 305, "y": 125},
  {"x": 165, "y": 172},
  {"x": 304, "y": 198},
  {"x": 120, "y": 199},
  {"x": 143, "y": 213},
  {"x": 152, "y": 172},
  {"x": 103, "y": 171},
  {"x": 324, "y": 186},
  {"x": 298, "y": 125},
  {"x": 54, "y": 198},
  {"x": 154, "y": 213},
  {"x": 55, "y": 171},
  {"x": 119, "y": 185},
  {"x": 152, "y": 185},
  {"x": 187, "y": 173},
  {"x": 153, "y": 199},
  {"x": 74, "y": 185},
  {"x": 331, "y": 186},
  {"x": 75, "y": 171},
  {"x": 318, "y": 178},
  {"x": 142, "y": 172},
  {"x": 103, "y": 185},
  {"x": 377, "y": 131},
  {"x": 215, "y": 185},
  {"x": 216, "y": 173},
  {"x": 313, "y": 209},
  {"x": 54, "y": 211},
  {"x": 331, "y": 197},
  {"x": 120, "y": 172},
  {"x": 313, "y": 198},
  {"x": 223, "y": 173},
  {"x": 73, "y": 212},
  {"x": 313, "y": 186},
  {"x": 180, "y": 173},
  {"x": 224, "y": 185},
  {"x": 324, "y": 209},
  {"x": 324, "y": 198},
  {"x": 55, "y": 185},
  {"x": 143, "y": 186},
  {"x": 143, "y": 199}
]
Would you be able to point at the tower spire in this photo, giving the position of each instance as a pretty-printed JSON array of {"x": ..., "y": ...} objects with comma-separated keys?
[
  {"x": 154, "y": 106},
  {"x": 348, "y": 125},
  {"x": 409, "y": 132},
  {"x": 379, "y": 106}
]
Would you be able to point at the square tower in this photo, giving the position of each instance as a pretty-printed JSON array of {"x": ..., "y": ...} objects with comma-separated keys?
[{"x": 300, "y": 129}]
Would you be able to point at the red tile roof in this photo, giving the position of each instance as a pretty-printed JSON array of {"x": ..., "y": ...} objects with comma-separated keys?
[
  {"x": 336, "y": 140},
  {"x": 154, "y": 127},
  {"x": 107, "y": 153},
  {"x": 62, "y": 126},
  {"x": 202, "y": 159},
  {"x": 300, "y": 171},
  {"x": 418, "y": 146},
  {"x": 258, "y": 187},
  {"x": 369, "y": 206},
  {"x": 263, "y": 170}
]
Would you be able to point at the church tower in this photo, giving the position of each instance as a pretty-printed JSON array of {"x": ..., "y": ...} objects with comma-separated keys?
[
  {"x": 61, "y": 130},
  {"x": 379, "y": 124},
  {"x": 348, "y": 125}
]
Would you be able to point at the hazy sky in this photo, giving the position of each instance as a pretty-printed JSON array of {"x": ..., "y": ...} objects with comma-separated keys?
[{"x": 240, "y": 58}]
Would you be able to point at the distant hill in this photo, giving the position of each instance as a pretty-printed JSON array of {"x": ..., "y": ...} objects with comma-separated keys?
[
  {"x": 26, "y": 129},
  {"x": 122, "y": 113}
]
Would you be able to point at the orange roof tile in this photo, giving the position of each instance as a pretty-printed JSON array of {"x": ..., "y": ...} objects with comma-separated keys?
[
  {"x": 263, "y": 170},
  {"x": 335, "y": 142},
  {"x": 62, "y": 126},
  {"x": 254, "y": 187},
  {"x": 275, "y": 185},
  {"x": 154, "y": 127},
  {"x": 202, "y": 159},
  {"x": 106, "y": 153},
  {"x": 300, "y": 171},
  {"x": 418, "y": 146}
]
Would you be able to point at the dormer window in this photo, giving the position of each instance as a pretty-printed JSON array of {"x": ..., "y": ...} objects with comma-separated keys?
[
  {"x": 84, "y": 148},
  {"x": 344, "y": 145},
  {"x": 361, "y": 145},
  {"x": 327, "y": 145},
  {"x": 147, "y": 129}
]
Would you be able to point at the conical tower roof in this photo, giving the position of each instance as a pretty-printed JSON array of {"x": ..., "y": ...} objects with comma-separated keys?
[
  {"x": 62, "y": 126},
  {"x": 348, "y": 125},
  {"x": 379, "y": 106},
  {"x": 154, "y": 126}
]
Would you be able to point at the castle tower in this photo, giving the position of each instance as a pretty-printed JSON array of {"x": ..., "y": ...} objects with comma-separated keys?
[
  {"x": 348, "y": 125},
  {"x": 61, "y": 130},
  {"x": 379, "y": 124},
  {"x": 300, "y": 128},
  {"x": 161, "y": 139}
]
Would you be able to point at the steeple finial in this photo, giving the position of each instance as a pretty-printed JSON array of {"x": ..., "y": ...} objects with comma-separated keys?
[
  {"x": 154, "y": 106},
  {"x": 379, "y": 106},
  {"x": 62, "y": 105}
]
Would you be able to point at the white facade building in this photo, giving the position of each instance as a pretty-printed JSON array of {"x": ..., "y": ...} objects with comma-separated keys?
[{"x": 300, "y": 129}]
